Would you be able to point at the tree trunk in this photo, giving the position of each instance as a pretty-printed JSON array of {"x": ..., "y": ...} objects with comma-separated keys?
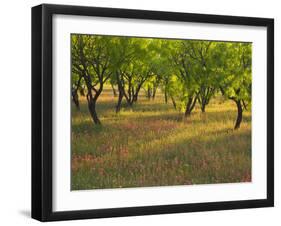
[
  {"x": 118, "y": 106},
  {"x": 82, "y": 92},
  {"x": 92, "y": 109},
  {"x": 244, "y": 105},
  {"x": 136, "y": 94},
  {"x": 203, "y": 106},
  {"x": 202, "y": 99},
  {"x": 190, "y": 105},
  {"x": 154, "y": 92},
  {"x": 166, "y": 96},
  {"x": 75, "y": 99},
  {"x": 130, "y": 103},
  {"x": 174, "y": 102},
  {"x": 120, "y": 97},
  {"x": 135, "y": 98},
  {"x": 92, "y": 100},
  {"x": 149, "y": 93},
  {"x": 114, "y": 91},
  {"x": 239, "y": 114}
]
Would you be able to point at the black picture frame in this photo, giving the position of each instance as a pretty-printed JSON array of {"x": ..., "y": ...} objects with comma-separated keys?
[{"x": 42, "y": 111}]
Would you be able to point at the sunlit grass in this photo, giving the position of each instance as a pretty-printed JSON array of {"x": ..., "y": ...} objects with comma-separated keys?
[{"x": 151, "y": 144}]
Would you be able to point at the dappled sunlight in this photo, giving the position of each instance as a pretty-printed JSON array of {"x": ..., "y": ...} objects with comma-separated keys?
[
  {"x": 153, "y": 112},
  {"x": 152, "y": 144}
]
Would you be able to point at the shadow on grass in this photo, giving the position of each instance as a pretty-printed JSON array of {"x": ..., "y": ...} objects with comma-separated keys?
[
  {"x": 187, "y": 152},
  {"x": 87, "y": 125},
  {"x": 106, "y": 109}
]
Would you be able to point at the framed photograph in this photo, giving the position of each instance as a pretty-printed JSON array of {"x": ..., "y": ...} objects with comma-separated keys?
[{"x": 145, "y": 112}]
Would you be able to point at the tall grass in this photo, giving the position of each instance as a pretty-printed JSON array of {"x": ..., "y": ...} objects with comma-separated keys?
[{"x": 151, "y": 144}]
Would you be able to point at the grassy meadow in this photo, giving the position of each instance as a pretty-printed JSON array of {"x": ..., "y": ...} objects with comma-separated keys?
[{"x": 152, "y": 144}]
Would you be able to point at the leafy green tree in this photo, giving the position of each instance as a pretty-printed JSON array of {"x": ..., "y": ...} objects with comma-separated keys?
[
  {"x": 163, "y": 69},
  {"x": 91, "y": 61},
  {"x": 200, "y": 52},
  {"x": 133, "y": 67},
  {"x": 185, "y": 69},
  {"x": 123, "y": 53},
  {"x": 151, "y": 86},
  {"x": 235, "y": 75}
]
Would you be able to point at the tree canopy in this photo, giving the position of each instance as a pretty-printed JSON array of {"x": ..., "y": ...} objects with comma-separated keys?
[{"x": 189, "y": 72}]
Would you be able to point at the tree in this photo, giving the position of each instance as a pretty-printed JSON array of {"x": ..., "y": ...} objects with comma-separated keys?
[
  {"x": 133, "y": 67},
  {"x": 91, "y": 61},
  {"x": 122, "y": 54},
  {"x": 235, "y": 75},
  {"x": 185, "y": 69},
  {"x": 163, "y": 70},
  {"x": 200, "y": 52},
  {"x": 151, "y": 85},
  {"x": 112, "y": 84},
  {"x": 76, "y": 83}
]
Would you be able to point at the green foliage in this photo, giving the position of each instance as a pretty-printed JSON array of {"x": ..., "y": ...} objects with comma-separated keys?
[
  {"x": 235, "y": 70},
  {"x": 91, "y": 57},
  {"x": 184, "y": 69},
  {"x": 150, "y": 142}
]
